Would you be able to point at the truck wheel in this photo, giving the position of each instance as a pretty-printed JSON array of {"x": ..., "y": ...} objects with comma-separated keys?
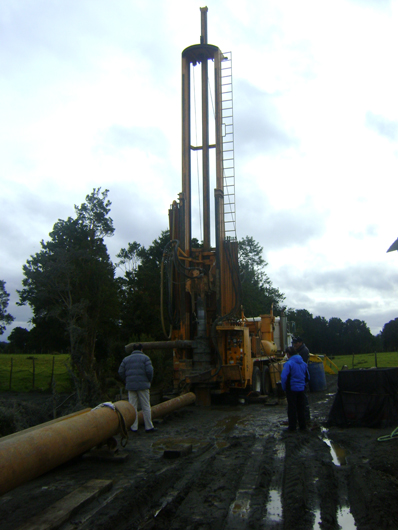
[
  {"x": 266, "y": 386},
  {"x": 256, "y": 380}
]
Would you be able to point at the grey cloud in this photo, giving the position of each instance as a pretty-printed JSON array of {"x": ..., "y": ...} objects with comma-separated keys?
[
  {"x": 33, "y": 31},
  {"x": 136, "y": 218},
  {"x": 371, "y": 278},
  {"x": 148, "y": 139},
  {"x": 26, "y": 220},
  {"x": 369, "y": 231},
  {"x": 287, "y": 229},
  {"x": 258, "y": 128},
  {"x": 22, "y": 314},
  {"x": 364, "y": 292},
  {"x": 280, "y": 229},
  {"x": 374, "y": 314},
  {"x": 76, "y": 34},
  {"x": 377, "y": 316},
  {"x": 382, "y": 125},
  {"x": 345, "y": 310}
]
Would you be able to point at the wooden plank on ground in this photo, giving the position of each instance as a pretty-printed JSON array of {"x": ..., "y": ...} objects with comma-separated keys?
[{"x": 62, "y": 510}]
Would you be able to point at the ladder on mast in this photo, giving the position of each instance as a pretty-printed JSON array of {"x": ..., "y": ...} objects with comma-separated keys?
[{"x": 228, "y": 147}]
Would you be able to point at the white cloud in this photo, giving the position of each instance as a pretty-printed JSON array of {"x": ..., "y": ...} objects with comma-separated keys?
[{"x": 91, "y": 98}]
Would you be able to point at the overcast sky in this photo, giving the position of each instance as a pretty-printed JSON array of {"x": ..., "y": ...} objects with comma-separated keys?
[{"x": 90, "y": 97}]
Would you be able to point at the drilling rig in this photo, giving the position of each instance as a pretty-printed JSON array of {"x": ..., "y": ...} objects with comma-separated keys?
[{"x": 215, "y": 348}]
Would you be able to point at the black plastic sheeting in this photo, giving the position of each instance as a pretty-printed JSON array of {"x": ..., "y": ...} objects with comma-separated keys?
[{"x": 366, "y": 398}]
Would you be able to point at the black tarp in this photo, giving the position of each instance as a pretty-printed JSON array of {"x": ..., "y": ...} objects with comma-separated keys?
[{"x": 366, "y": 398}]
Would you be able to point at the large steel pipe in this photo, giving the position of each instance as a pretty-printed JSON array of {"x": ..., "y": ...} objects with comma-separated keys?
[
  {"x": 36, "y": 451},
  {"x": 158, "y": 411},
  {"x": 33, "y": 453},
  {"x": 46, "y": 424}
]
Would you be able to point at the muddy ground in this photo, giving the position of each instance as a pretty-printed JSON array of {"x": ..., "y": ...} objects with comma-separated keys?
[{"x": 243, "y": 472}]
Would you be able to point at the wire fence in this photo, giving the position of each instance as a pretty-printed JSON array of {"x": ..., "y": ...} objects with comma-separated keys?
[{"x": 42, "y": 373}]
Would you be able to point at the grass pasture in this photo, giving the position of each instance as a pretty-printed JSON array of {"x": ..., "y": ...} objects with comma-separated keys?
[
  {"x": 35, "y": 372},
  {"x": 24, "y": 373},
  {"x": 367, "y": 360}
]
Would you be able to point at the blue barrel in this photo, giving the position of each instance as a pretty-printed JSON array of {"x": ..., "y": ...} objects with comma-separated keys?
[{"x": 317, "y": 377}]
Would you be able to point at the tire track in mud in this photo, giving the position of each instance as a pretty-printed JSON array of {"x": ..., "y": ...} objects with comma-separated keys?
[
  {"x": 272, "y": 516},
  {"x": 238, "y": 480},
  {"x": 242, "y": 473},
  {"x": 241, "y": 508},
  {"x": 298, "y": 488},
  {"x": 196, "y": 490}
]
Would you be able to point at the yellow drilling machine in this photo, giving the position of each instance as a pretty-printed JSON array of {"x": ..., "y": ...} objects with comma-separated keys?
[{"x": 215, "y": 348}]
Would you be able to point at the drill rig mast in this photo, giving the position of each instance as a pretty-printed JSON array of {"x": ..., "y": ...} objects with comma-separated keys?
[
  {"x": 204, "y": 280},
  {"x": 215, "y": 348}
]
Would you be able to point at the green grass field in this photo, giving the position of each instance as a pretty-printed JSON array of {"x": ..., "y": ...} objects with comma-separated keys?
[
  {"x": 367, "y": 360},
  {"x": 23, "y": 379},
  {"x": 26, "y": 375}
]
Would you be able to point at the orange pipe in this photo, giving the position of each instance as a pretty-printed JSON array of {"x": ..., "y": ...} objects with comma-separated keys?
[
  {"x": 33, "y": 453},
  {"x": 41, "y": 425},
  {"x": 42, "y": 448},
  {"x": 158, "y": 411}
]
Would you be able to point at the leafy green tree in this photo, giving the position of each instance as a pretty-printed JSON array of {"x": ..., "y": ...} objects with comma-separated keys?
[
  {"x": 389, "y": 335},
  {"x": 319, "y": 333},
  {"x": 5, "y": 317},
  {"x": 258, "y": 293},
  {"x": 335, "y": 336},
  {"x": 304, "y": 323},
  {"x": 139, "y": 289},
  {"x": 48, "y": 335},
  {"x": 357, "y": 337},
  {"x": 18, "y": 339},
  {"x": 72, "y": 280}
]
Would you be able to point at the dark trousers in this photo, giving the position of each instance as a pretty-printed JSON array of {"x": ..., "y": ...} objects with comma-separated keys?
[
  {"x": 295, "y": 409},
  {"x": 307, "y": 405}
]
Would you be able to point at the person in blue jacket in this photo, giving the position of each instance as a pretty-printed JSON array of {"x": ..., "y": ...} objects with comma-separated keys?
[
  {"x": 136, "y": 371},
  {"x": 294, "y": 377},
  {"x": 301, "y": 349}
]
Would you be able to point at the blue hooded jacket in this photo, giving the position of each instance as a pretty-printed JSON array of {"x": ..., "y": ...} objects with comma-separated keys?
[{"x": 296, "y": 368}]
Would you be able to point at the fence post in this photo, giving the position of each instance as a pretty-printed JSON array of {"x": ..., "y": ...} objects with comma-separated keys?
[
  {"x": 376, "y": 359},
  {"x": 12, "y": 362},
  {"x": 52, "y": 372},
  {"x": 353, "y": 355},
  {"x": 33, "y": 361}
]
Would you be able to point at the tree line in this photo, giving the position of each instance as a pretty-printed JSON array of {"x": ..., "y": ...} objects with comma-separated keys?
[{"x": 85, "y": 304}]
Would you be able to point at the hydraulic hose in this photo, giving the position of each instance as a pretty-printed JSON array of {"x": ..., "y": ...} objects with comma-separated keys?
[{"x": 389, "y": 437}]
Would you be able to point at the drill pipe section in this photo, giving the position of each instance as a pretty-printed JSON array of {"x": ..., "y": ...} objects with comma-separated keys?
[
  {"x": 162, "y": 409},
  {"x": 33, "y": 453},
  {"x": 162, "y": 345}
]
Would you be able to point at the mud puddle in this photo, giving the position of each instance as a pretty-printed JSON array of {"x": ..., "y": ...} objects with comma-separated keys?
[
  {"x": 338, "y": 453},
  {"x": 345, "y": 519}
]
